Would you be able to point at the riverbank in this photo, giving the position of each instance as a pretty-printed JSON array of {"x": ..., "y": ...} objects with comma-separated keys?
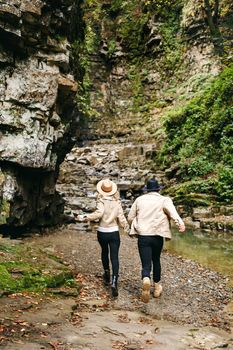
[{"x": 194, "y": 297}]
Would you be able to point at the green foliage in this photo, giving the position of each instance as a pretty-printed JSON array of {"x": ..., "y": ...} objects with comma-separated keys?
[
  {"x": 131, "y": 29},
  {"x": 172, "y": 45},
  {"x": 224, "y": 186},
  {"x": 127, "y": 22},
  {"x": 195, "y": 192},
  {"x": 162, "y": 6},
  {"x": 111, "y": 47},
  {"x": 200, "y": 166},
  {"x": 81, "y": 52},
  {"x": 199, "y": 136}
]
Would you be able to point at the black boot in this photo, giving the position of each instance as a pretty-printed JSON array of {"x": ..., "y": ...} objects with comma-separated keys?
[
  {"x": 106, "y": 277},
  {"x": 114, "y": 286}
]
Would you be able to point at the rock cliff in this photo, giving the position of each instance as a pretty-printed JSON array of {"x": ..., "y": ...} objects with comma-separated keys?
[
  {"x": 142, "y": 58},
  {"x": 38, "y": 116},
  {"x": 160, "y": 73}
]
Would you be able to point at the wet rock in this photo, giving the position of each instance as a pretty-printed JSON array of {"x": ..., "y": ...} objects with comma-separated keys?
[
  {"x": 201, "y": 213},
  {"x": 218, "y": 223},
  {"x": 194, "y": 224},
  {"x": 27, "y": 151},
  {"x": 55, "y": 120},
  {"x": 70, "y": 158}
]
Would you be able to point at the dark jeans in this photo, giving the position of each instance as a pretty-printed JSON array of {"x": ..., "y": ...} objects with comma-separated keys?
[
  {"x": 150, "y": 248},
  {"x": 109, "y": 242}
]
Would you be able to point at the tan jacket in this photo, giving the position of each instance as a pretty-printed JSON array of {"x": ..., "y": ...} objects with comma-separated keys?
[
  {"x": 110, "y": 213},
  {"x": 150, "y": 215}
]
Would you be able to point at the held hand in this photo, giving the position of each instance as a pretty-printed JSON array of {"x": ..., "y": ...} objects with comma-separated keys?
[
  {"x": 133, "y": 236},
  {"x": 181, "y": 227},
  {"x": 81, "y": 218}
]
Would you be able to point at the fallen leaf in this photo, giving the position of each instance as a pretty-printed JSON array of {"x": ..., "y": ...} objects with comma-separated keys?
[{"x": 124, "y": 318}]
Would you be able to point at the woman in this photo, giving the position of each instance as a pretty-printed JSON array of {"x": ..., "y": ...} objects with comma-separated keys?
[
  {"x": 110, "y": 214},
  {"x": 150, "y": 220}
]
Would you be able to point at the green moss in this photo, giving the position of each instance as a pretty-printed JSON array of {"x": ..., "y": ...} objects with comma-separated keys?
[
  {"x": 28, "y": 269},
  {"x": 6, "y": 282},
  {"x": 65, "y": 277},
  {"x": 4, "y": 211},
  {"x": 7, "y": 248},
  {"x": 31, "y": 281}
]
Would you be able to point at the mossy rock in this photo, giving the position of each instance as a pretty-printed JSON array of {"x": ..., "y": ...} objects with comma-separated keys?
[
  {"x": 26, "y": 268},
  {"x": 193, "y": 200},
  {"x": 217, "y": 224}
]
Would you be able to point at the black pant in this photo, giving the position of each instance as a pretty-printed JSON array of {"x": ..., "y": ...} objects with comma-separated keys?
[
  {"x": 110, "y": 241},
  {"x": 150, "y": 248}
]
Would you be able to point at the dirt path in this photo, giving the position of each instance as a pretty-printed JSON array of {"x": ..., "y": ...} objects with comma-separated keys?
[{"x": 189, "y": 315}]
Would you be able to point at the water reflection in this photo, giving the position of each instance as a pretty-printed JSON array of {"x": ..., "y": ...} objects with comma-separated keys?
[{"x": 210, "y": 249}]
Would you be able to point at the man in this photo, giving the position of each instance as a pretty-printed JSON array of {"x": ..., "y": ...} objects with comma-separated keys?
[{"x": 150, "y": 220}]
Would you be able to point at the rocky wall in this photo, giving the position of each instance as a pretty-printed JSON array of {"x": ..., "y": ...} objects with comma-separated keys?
[
  {"x": 129, "y": 166},
  {"x": 141, "y": 64},
  {"x": 38, "y": 116}
]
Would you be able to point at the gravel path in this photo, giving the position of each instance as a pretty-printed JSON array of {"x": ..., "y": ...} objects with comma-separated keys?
[
  {"x": 192, "y": 294},
  {"x": 189, "y": 314}
]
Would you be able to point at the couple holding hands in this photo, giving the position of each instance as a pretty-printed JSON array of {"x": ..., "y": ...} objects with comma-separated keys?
[{"x": 149, "y": 220}]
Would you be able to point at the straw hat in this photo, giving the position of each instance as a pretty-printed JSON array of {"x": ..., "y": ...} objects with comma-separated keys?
[{"x": 106, "y": 187}]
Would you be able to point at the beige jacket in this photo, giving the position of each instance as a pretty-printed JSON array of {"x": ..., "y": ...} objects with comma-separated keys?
[
  {"x": 150, "y": 215},
  {"x": 110, "y": 213}
]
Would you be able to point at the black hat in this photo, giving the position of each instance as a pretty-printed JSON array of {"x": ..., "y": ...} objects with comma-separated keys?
[{"x": 152, "y": 185}]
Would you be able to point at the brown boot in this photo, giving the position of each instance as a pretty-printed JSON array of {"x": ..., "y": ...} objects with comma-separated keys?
[
  {"x": 158, "y": 290},
  {"x": 146, "y": 289}
]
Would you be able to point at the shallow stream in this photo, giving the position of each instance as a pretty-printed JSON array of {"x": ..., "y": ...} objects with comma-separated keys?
[{"x": 212, "y": 250}]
